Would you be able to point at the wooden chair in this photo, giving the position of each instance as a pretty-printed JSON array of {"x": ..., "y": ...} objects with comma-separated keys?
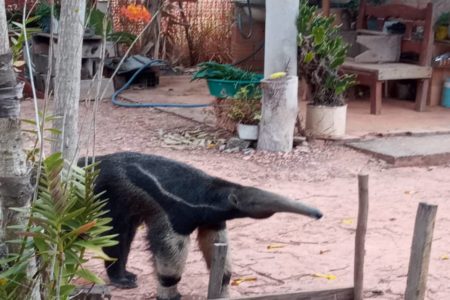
[{"x": 374, "y": 75}]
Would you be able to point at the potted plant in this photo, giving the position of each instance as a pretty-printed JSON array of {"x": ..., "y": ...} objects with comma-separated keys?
[
  {"x": 442, "y": 27},
  {"x": 245, "y": 110},
  {"x": 321, "y": 53},
  {"x": 225, "y": 80}
]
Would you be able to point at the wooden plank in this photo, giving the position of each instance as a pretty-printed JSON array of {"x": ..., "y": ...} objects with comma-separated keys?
[
  {"x": 326, "y": 7},
  {"x": 420, "y": 252},
  {"x": 397, "y": 11},
  {"x": 403, "y": 71},
  {"x": 422, "y": 93},
  {"x": 360, "y": 238},
  {"x": 391, "y": 71},
  {"x": 372, "y": 32},
  {"x": 376, "y": 97},
  {"x": 361, "y": 21},
  {"x": 331, "y": 294},
  {"x": 427, "y": 45},
  {"x": 413, "y": 46},
  {"x": 217, "y": 270}
]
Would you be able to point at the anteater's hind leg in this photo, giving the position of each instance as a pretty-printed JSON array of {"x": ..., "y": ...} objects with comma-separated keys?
[
  {"x": 207, "y": 236},
  {"x": 170, "y": 252},
  {"x": 117, "y": 273}
]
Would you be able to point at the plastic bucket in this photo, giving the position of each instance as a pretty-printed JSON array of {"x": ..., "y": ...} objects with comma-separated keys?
[
  {"x": 228, "y": 88},
  {"x": 445, "y": 101}
]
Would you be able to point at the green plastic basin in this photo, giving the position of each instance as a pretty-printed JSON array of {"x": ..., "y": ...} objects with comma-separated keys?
[{"x": 220, "y": 88}]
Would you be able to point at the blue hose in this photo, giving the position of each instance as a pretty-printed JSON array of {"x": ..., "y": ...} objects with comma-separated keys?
[{"x": 135, "y": 105}]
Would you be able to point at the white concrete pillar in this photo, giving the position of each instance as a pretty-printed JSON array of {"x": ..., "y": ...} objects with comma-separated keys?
[{"x": 281, "y": 36}]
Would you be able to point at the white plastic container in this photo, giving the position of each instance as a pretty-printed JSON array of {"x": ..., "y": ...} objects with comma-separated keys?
[{"x": 326, "y": 121}]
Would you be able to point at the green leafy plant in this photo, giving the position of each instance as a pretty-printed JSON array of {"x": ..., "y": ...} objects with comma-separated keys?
[
  {"x": 66, "y": 219},
  {"x": 44, "y": 12},
  {"x": 321, "y": 53},
  {"x": 214, "y": 70},
  {"x": 18, "y": 38},
  {"x": 95, "y": 19},
  {"x": 443, "y": 20},
  {"x": 245, "y": 107}
]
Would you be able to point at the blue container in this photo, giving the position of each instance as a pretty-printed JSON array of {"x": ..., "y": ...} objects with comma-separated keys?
[{"x": 445, "y": 101}]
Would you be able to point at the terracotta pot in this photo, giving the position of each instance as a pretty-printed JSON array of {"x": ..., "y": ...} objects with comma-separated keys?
[{"x": 326, "y": 121}]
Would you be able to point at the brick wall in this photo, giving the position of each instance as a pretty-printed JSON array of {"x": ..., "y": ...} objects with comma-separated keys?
[{"x": 17, "y": 4}]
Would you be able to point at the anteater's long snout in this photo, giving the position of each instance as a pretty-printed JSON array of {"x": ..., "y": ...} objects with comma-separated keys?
[
  {"x": 282, "y": 204},
  {"x": 257, "y": 203}
]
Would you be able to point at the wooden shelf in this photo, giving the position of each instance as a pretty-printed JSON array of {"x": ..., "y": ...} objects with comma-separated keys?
[{"x": 445, "y": 42}]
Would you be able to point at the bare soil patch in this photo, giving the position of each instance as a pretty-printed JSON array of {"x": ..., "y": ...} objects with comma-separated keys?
[{"x": 321, "y": 174}]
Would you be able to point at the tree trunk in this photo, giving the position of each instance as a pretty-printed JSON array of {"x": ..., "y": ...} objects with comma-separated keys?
[
  {"x": 15, "y": 185},
  {"x": 279, "y": 112},
  {"x": 15, "y": 188},
  {"x": 68, "y": 74}
]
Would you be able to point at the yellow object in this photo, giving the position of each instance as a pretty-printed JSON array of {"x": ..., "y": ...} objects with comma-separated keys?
[
  {"x": 277, "y": 75},
  {"x": 275, "y": 246},
  {"x": 347, "y": 221},
  {"x": 326, "y": 276},
  {"x": 441, "y": 33},
  {"x": 238, "y": 281}
]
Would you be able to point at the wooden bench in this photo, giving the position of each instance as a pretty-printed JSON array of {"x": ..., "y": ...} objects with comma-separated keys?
[{"x": 374, "y": 75}]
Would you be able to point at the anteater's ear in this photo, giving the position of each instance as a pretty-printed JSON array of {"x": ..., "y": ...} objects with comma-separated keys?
[{"x": 233, "y": 198}]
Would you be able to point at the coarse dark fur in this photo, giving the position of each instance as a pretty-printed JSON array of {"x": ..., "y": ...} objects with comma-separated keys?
[{"x": 173, "y": 199}]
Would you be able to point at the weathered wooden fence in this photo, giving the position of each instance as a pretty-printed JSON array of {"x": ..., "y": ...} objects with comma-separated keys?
[{"x": 418, "y": 265}]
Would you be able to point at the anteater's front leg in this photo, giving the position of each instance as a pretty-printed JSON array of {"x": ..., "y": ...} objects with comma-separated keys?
[
  {"x": 207, "y": 236},
  {"x": 169, "y": 256}
]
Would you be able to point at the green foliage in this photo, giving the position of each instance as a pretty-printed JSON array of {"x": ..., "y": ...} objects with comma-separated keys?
[
  {"x": 443, "y": 20},
  {"x": 245, "y": 107},
  {"x": 321, "y": 53},
  {"x": 44, "y": 9},
  {"x": 121, "y": 37},
  {"x": 18, "y": 38},
  {"x": 95, "y": 20},
  {"x": 66, "y": 219},
  {"x": 213, "y": 70}
]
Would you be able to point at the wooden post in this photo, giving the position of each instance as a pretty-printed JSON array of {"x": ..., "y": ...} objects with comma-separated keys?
[
  {"x": 326, "y": 7},
  {"x": 360, "y": 238},
  {"x": 217, "y": 270},
  {"x": 279, "y": 113},
  {"x": 420, "y": 252}
]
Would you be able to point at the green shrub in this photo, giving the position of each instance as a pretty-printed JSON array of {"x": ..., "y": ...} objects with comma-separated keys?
[
  {"x": 321, "y": 53},
  {"x": 66, "y": 219},
  {"x": 245, "y": 108}
]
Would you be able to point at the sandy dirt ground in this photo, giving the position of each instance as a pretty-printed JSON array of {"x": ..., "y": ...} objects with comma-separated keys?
[{"x": 320, "y": 174}]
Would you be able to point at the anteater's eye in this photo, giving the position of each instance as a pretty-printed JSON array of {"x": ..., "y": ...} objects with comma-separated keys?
[{"x": 233, "y": 198}]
